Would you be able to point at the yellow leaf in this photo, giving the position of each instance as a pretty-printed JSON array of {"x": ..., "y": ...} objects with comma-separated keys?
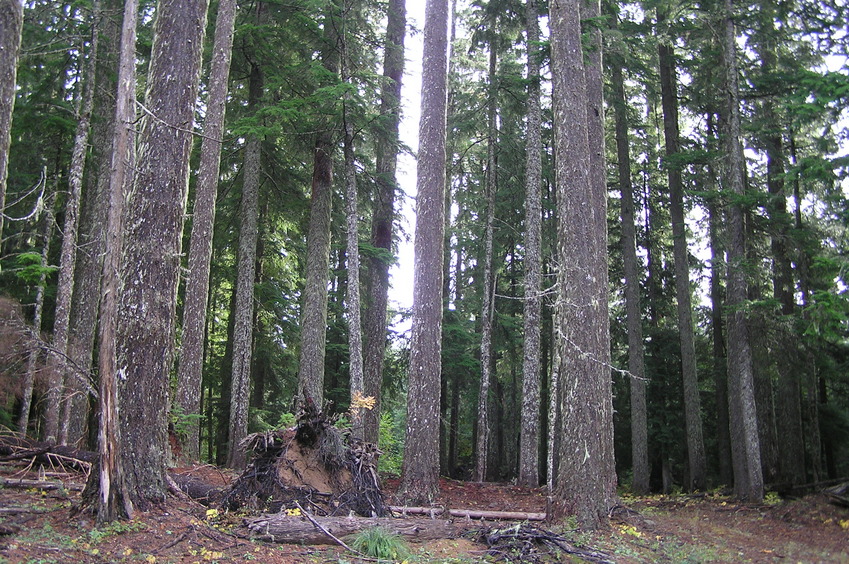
[{"x": 151, "y": 559}]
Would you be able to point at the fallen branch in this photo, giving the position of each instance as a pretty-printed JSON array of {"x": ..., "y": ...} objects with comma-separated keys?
[
  {"x": 13, "y": 447},
  {"x": 17, "y": 510},
  {"x": 526, "y": 543}
]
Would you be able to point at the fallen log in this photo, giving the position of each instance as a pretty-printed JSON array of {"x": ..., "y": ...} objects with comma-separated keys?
[
  {"x": 839, "y": 494},
  {"x": 38, "y": 484},
  {"x": 197, "y": 489},
  {"x": 287, "y": 529},
  {"x": 497, "y": 515},
  {"x": 470, "y": 513}
]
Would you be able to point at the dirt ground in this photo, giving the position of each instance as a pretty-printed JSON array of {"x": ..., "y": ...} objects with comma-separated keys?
[{"x": 38, "y": 526}]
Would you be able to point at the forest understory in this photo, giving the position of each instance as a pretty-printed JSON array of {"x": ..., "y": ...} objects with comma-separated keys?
[{"x": 40, "y": 522}]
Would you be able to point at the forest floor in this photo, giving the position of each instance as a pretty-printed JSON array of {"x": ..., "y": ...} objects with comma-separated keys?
[{"x": 38, "y": 526}]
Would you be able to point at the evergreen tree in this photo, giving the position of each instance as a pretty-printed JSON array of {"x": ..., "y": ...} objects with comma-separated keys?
[
  {"x": 151, "y": 263},
  {"x": 586, "y": 477},
  {"x": 419, "y": 478}
]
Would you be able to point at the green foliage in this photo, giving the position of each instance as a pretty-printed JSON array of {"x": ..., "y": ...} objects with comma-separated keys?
[
  {"x": 391, "y": 444},
  {"x": 30, "y": 269},
  {"x": 182, "y": 421},
  {"x": 381, "y": 544}
]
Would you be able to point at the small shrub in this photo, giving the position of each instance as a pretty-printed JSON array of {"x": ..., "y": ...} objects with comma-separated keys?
[{"x": 381, "y": 544}]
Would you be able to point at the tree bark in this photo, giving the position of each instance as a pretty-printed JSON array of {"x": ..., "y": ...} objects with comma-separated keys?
[
  {"x": 692, "y": 404},
  {"x": 720, "y": 373},
  {"x": 85, "y": 299},
  {"x": 151, "y": 264},
  {"x": 35, "y": 351},
  {"x": 383, "y": 216},
  {"x": 114, "y": 500},
  {"x": 748, "y": 481},
  {"x": 314, "y": 312},
  {"x": 11, "y": 25},
  {"x": 352, "y": 297},
  {"x": 190, "y": 368},
  {"x": 419, "y": 478},
  {"x": 633, "y": 311},
  {"x": 243, "y": 337},
  {"x": 586, "y": 478},
  {"x": 529, "y": 437},
  {"x": 488, "y": 298},
  {"x": 68, "y": 258}
]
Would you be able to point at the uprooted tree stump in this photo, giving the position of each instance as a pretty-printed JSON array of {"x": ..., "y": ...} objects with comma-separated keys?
[{"x": 312, "y": 465}]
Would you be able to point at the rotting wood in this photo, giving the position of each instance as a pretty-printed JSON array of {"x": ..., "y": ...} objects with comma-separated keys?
[
  {"x": 286, "y": 529},
  {"x": 470, "y": 513}
]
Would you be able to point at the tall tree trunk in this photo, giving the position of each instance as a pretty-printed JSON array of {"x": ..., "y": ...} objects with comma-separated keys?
[
  {"x": 85, "y": 298},
  {"x": 529, "y": 437},
  {"x": 488, "y": 298},
  {"x": 243, "y": 329},
  {"x": 190, "y": 368},
  {"x": 692, "y": 405},
  {"x": 762, "y": 362},
  {"x": 586, "y": 478},
  {"x": 748, "y": 480},
  {"x": 154, "y": 227},
  {"x": 53, "y": 397},
  {"x": 720, "y": 374},
  {"x": 352, "y": 297},
  {"x": 35, "y": 352},
  {"x": 377, "y": 281},
  {"x": 419, "y": 477},
  {"x": 114, "y": 498},
  {"x": 68, "y": 257},
  {"x": 634, "y": 320},
  {"x": 314, "y": 312},
  {"x": 11, "y": 25}
]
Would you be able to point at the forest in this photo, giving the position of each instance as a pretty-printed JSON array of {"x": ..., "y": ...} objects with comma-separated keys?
[{"x": 630, "y": 238}]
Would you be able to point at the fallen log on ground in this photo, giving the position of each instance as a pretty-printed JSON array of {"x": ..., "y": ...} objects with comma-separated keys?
[
  {"x": 39, "y": 484},
  {"x": 470, "y": 513},
  {"x": 839, "y": 494},
  {"x": 200, "y": 491},
  {"x": 288, "y": 529}
]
